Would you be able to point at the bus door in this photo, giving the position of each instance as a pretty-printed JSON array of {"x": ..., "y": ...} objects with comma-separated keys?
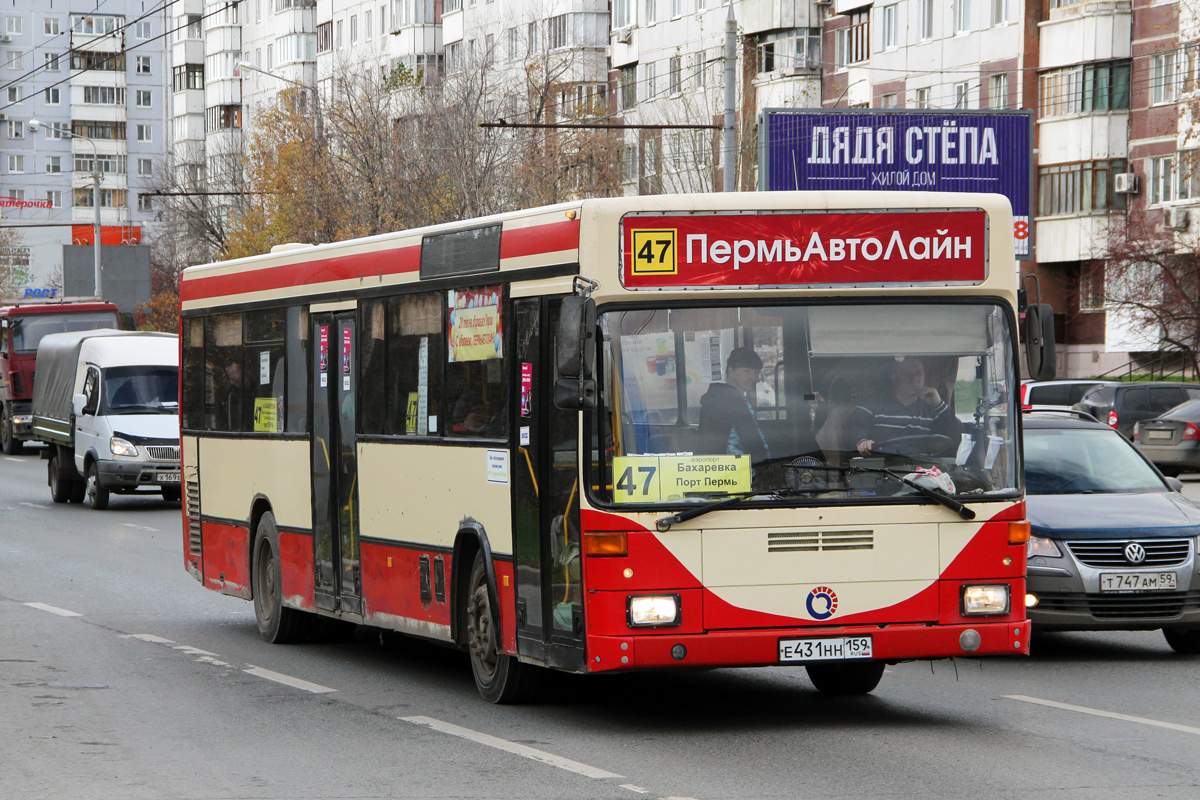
[
  {"x": 545, "y": 459},
  {"x": 338, "y": 580}
]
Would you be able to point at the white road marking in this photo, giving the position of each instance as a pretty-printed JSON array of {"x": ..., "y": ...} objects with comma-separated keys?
[
  {"x": 1095, "y": 712},
  {"x": 147, "y": 637},
  {"x": 288, "y": 680},
  {"x": 33, "y": 505},
  {"x": 512, "y": 747},
  {"x": 139, "y": 527},
  {"x": 62, "y": 612},
  {"x": 633, "y": 788}
]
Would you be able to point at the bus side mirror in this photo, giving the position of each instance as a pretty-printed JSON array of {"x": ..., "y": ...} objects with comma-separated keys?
[
  {"x": 1039, "y": 341},
  {"x": 575, "y": 354}
]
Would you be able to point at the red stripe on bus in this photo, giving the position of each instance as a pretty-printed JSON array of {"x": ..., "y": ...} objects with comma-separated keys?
[
  {"x": 551, "y": 238},
  {"x": 325, "y": 270}
]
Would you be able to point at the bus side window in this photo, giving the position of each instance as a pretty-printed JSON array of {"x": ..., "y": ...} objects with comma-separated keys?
[
  {"x": 372, "y": 391},
  {"x": 223, "y": 351},
  {"x": 193, "y": 373},
  {"x": 296, "y": 347},
  {"x": 263, "y": 368},
  {"x": 413, "y": 373},
  {"x": 475, "y": 373}
]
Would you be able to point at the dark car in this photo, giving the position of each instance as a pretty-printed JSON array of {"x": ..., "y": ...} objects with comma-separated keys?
[
  {"x": 1172, "y": 441},
  {"x": 1124, "y": 404},
  {"x": 1113, "y": 542}
]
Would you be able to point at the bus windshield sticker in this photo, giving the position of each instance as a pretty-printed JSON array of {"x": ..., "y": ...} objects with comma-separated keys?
[
  {"x": 860, "y": 248},
  {"x": 476, "y": 329},
  {"x": 264, "y": 367},
  {"x": 653, "y": 479},
  {"x": 410, "y": 414},
  {"x": 265, "y": 414}
]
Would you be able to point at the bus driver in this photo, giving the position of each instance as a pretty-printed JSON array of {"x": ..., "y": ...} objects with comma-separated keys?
[{"x": 910, "y": 409}]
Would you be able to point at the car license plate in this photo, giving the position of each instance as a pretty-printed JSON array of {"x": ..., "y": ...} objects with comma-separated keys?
[
  {"x": 1158, "y": 434},
  {"x": 1136, "y": 581},
  {"x": 167, "y": 477},
  {"x": 834, "y": 648}
]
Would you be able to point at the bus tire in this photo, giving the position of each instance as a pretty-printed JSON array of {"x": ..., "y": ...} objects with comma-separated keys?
[
  {"x": 97, "y": 495},
  {"x": 60, "y": 488},
  {"x": 500, "y": 678},
  {"x": 842, "y": 678},
  {"x": 276, "y": 624}
]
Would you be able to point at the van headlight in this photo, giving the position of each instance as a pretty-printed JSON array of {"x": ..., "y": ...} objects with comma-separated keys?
[
  {"x": 653, "y": 610},
  {"x": 121, "y": 447},
  {"x": 985, "y": 599}
]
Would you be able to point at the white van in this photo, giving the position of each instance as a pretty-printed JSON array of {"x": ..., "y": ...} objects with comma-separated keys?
[{"x": 107, "y": 403}]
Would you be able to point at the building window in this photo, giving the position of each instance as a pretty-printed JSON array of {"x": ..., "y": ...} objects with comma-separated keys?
[
  {"x": 107, "y": 164},
  {"x": 962, "y": 15},
  {"x": 143, "y": 30},
  {"x": 557, "y": 32},
  {"x": 109, "y": 198},
  {"x": 55, "y": 198},
  {"x": 16, "y": 164},
  {"x": 1091, "y": 286},
  {"x": 52, "y": 61},
  {"x": 1084, "y": 89},
  {"x": 998, "y": 91},
  {"x": 54, "y": 164},
  {"x": 13, "y": 59},
  {"x": 144, "y": 98},
  {"x": 56, "y": 130},
  {"x": 925, "y": 15},
  {"x": 16, "y": 129},
  {"x": 14, "y": 94},
  {"x": 1164, "y": 79},
  {"x": 324, "y": 37},
  {"x": 145, "y": 167},
  {"x": 675, "y": 75},
  {"x": 337, "y": 34},
  {"x": 853, "y": 43},
  {"x": 891, "y": 26},
  {"x": 651, "y": 12},
  {"x": 353, "y": 29},
  {"x": 962, "y": 95},
  {"x": 921, "y": 98},
  {"x": 145, "y": 133},
  {"x": 1080, "y": 188},
  {"x": 187, "y": 76},
  {"x": 621, "y": 15},
  {"x": 143, "y": 65},
  {"x": 87, "y": 60},
  {"x": 53, "y": 97},
  {"x": 223, "y": 117},
  {"x": 104, "y": 95},
  {"x": 1162, "y": 179},
  {"x": 145, "y": 202},
  {"x": 627, "y": 87},
  {"x": 95, "y": 25},
  {"x": 889, "y": 101},
  {"x": 999, "y": 12},
  {"x": 13, "y": 26},
  {"x": 50, "y": 26},
  {"x": 651, "y": 80},
  {"x": 788, "y": 49}
]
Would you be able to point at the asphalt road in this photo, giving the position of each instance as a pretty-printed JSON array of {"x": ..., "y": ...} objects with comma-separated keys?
[{"x": 120, "y": 677}]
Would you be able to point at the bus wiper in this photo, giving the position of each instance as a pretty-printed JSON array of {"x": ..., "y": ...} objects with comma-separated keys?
[
  {"x": 664, "y": 524},
  {"x": 939, "y": 498}
]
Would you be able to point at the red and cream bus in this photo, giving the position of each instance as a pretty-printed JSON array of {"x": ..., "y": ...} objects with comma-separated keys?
[{"x": 614, "y": 434}]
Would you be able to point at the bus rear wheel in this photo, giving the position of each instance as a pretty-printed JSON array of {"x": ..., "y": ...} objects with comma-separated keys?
[
  {"x": 276, "y": 624},
  {"x": 843, "y": 678},
  {"x": 500, "y": 678}
]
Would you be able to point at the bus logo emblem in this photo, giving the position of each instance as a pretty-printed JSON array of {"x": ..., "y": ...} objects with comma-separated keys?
[
  {"x": 654, "y": 252},
  {"x": 821, "y": 603}
]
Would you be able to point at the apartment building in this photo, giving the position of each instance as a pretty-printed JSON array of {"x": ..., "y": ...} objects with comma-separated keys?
[{"x": 82, "y": 90}]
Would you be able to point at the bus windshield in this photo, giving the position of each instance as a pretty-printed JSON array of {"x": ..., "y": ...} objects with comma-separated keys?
[{"x": 813, "y": 403}]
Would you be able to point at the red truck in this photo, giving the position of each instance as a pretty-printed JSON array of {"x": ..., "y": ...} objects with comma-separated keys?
[{"x": 22, "y": 326}]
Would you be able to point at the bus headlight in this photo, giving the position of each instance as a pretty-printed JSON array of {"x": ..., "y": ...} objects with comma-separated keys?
[
  {"x": 120, "y": 447},
  {"x": 656, "y": 610},
  {"x": 985, "y": 599}
]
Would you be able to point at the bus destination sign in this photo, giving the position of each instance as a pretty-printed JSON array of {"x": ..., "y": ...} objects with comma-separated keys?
[{"x": 814, "y": 249}]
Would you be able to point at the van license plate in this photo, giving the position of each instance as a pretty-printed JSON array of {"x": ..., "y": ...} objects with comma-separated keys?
[
  {"x": 167, "y": 477},
  {"x": 1136, "y": 581},
  {"x": 836, "y": 648}
]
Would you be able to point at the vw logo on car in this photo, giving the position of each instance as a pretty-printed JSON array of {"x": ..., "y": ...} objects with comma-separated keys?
[{"x": 1135, "y": 553}]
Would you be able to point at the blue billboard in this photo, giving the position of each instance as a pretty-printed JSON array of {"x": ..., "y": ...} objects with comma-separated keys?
[{"x": 875, "y": 150}]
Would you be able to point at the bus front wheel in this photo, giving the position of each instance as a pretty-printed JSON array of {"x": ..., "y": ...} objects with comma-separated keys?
[
  {"x": 840, "y": 677},
  {"x": 276, "y": 624},
  {"x": 500, "y": 678}
]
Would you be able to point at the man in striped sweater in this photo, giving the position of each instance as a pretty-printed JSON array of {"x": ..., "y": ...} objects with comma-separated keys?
[{"x": 912, "y": 409}]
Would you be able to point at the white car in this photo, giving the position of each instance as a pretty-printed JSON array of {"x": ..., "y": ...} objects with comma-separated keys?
[{"x": 1056, "y": 395}]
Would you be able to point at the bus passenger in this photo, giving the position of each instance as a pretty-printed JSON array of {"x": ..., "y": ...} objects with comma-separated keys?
[
  {"x": 470, "y": 416},
  {"x": 727, "y": 422},
  {"x": 910, "y": 409}
]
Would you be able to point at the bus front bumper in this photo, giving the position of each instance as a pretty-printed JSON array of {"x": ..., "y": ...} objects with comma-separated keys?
[{"x": 897, "y": 642}]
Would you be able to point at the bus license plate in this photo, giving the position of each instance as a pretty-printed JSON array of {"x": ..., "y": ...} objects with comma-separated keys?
[
  {"x": 837, "y": 648},
  {"x": 167, "y": 477},
  {"x": 1136, "y": 581}
]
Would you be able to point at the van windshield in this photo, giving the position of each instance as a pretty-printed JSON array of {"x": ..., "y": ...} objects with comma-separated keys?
[{"x": 141, "y": 390}]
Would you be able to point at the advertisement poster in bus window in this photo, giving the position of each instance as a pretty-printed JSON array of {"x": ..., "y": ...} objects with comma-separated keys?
[
  {"x": 323, "y": 364},
  {"x": 424, "y": 422},
  {"x": 346, "y": 340},
  {"x": 526, "y": 389},
  {"x": 476, "y": 328}
]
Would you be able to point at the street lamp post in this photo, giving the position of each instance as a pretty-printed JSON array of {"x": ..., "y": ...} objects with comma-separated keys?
[{"x": 97, "y": 177}]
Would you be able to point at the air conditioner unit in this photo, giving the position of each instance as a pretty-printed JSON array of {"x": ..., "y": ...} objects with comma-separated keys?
[
  {"x": 1175, "y": 219},
  {"x": 1125, "y": 183},
  {"x": 625, "y": 35},
  {"x": 4, "y": 37},
  {"x": 822, "y": 2}
]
